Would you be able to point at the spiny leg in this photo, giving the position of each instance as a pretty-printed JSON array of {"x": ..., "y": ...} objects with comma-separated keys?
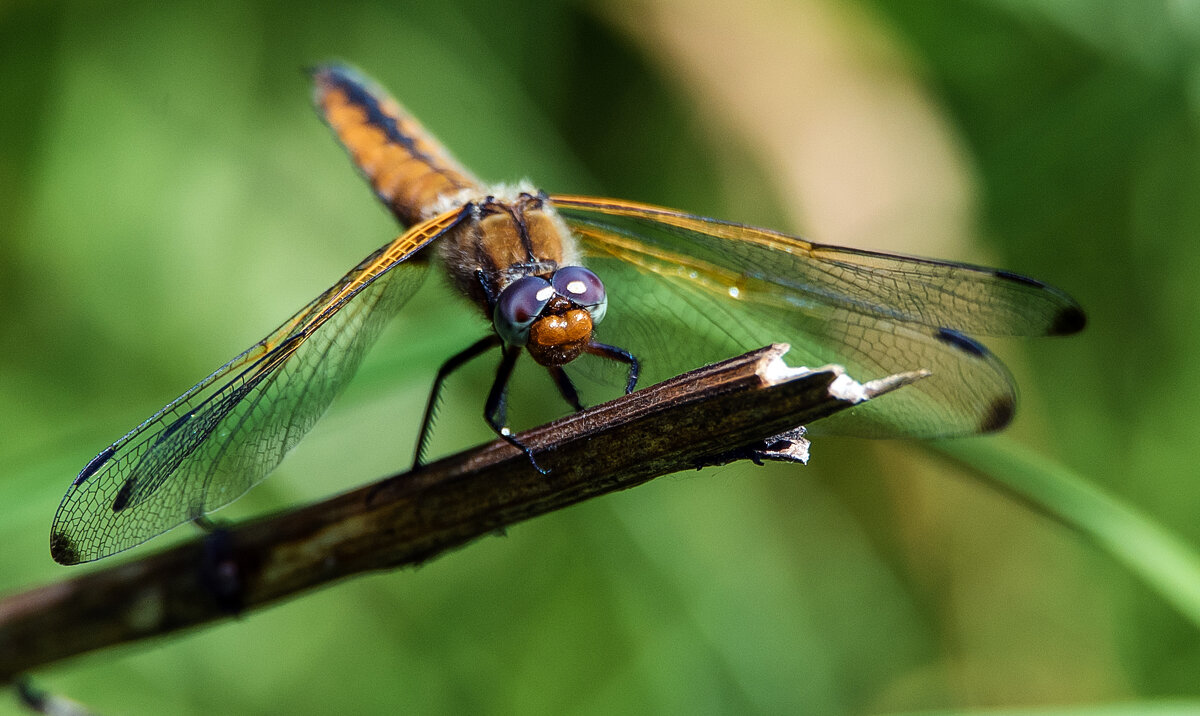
[
  {"x": 620, "y": 355},
  {"x": 454, "y": 363},
  {"x": 565, "y": 387},
  {"x": 496, "y": 410}
]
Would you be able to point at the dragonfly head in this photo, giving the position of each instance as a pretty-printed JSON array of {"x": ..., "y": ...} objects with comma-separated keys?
[{"x": 554, "y": 317}]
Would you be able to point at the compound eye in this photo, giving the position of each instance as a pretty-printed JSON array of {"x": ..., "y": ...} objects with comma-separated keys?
[
  {"x": 519, "y": 305},
  {"x": 584, "y": 288}
]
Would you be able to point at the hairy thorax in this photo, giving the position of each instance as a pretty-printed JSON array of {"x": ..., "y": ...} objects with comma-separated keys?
[{"x": 512, "y": 232}]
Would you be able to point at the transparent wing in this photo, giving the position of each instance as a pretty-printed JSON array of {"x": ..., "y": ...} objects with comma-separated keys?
[
  {"x": 685, "y": 290},
  {"x": 210, "y": 445}
]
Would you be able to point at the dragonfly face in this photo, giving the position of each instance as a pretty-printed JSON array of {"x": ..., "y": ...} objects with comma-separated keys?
[
  {"x": 551, "y": 316},
  {"x": 683, "y": 290},
  {"x": 512, "y": 258}
]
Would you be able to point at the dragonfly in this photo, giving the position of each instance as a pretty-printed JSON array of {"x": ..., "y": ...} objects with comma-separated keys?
[{"x": 686, "y": 290}]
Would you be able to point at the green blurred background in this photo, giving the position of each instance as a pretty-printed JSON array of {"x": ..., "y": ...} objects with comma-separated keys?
[{"x": 167, "y": 196}]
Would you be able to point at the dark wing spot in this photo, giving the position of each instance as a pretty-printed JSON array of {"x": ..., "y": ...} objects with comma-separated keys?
[
  {"x": 1069, "y": 320},
  {"x": 999, "y": 415},
  {"x": 961, "y": 342},
  {"x": 121, "y": 501},
  {"x": 1017, "y": 278},
  {"x": 96, "y": 463},
  {"x": 62, "y": 549},
  {"x": 174, "y": 427}
]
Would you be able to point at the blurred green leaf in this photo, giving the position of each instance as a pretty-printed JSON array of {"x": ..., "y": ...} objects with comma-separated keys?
[{"x": 1162, "y": 560}]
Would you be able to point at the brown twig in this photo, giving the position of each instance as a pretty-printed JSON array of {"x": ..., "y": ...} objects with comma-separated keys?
[{"x": 696, "y": 419}]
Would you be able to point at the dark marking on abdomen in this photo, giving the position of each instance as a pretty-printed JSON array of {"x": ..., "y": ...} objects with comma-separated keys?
[{"x": 406, "y": 166}]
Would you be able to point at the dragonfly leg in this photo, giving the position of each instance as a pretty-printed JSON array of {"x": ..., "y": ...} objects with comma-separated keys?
[
  {"x": 496, "y": 409},
  {"x": 618, "y": 354},
  {"x": 204, "y": 522},
  {"x": 486, "y": 286},
  {"x": 220, "y": 574},
  {"x": 454, "y": 363},
  {"x": 565, "y": 387}
]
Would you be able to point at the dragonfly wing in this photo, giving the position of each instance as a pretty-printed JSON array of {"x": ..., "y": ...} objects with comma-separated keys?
[
  {"x": 685, "y": 291},
  {"x": 973, "y": 299},
  {"x": 216, "y": 441}
]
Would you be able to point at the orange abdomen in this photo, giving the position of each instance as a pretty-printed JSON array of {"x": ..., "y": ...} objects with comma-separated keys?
[{"x": 407, "y": 167}]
